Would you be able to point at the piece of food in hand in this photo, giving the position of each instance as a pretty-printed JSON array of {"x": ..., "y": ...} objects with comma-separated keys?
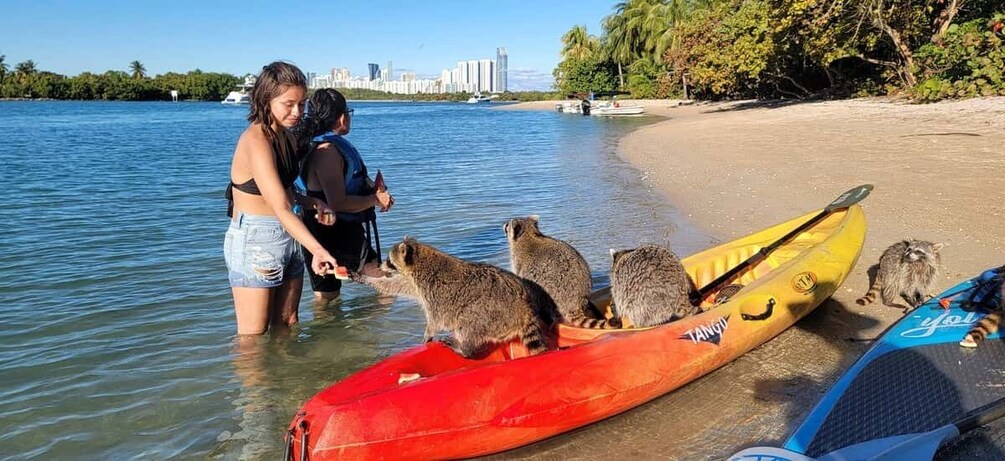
[
  {"x": 378, "y": 183},
  {"x": 341, "y": 273}
]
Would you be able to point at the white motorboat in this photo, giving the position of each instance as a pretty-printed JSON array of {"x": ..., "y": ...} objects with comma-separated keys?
[
  {"x": 570, "y": 107},
  {"x": 478, "y": 98},
  {"x": 241, "y": 96},
  {"x": 615, "y": 109}
]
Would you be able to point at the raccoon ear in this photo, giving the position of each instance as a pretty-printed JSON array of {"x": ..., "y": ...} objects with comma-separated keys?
[
  {"x": 515, "y": 227},
  {"x": 938, "y": 246},
  {"x": 409, "y": 251},
  {"x": 612, "y": 250},
  {"x": 409, "y": 238},
  {"x": 534, "y": 218}
]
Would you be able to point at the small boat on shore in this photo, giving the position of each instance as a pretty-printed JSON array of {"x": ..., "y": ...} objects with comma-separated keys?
[
  {"x": 428, "y": 402},
  {"x": 615, "y": 109}
]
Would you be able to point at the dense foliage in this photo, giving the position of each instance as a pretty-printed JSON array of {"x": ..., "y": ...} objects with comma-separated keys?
[
  {"x": 715, "y": 49},
  {"x": 25, "y": 81}
]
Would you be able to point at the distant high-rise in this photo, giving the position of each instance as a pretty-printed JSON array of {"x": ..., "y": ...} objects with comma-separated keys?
[
  {"x": 390, "y": 71},
  {"x": 374, "y": 71},
  {"x": 501, "y": 70},
  {"x": 486, "y": 75},
  {"x": 472, "y": 74}
]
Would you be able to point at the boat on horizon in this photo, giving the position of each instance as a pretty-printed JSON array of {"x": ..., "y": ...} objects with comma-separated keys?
[
  {"x": 478, "y": 98},
  {"x": 240, "y": 96}
]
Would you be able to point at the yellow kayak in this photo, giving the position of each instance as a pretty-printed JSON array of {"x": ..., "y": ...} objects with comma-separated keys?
[{"x": 430, "y": 403}]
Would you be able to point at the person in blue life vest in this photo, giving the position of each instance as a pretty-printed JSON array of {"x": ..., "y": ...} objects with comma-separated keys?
[
  {"x": 260, "y": 247},
  {"x": 334, "y": 172}
]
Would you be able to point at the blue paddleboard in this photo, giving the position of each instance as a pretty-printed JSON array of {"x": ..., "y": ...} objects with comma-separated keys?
[{"x": 916, "y": 378}]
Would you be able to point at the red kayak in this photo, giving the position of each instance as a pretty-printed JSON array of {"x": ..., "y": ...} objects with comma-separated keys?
[{"x": 430, "y": 403}]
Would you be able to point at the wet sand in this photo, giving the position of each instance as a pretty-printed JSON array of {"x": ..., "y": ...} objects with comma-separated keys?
[{"x": 734, "y": 168}]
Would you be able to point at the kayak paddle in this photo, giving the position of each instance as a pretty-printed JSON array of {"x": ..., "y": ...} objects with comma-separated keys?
[
  {"x": 845, "y": 200},
  {"x": 907, "y": 447}
]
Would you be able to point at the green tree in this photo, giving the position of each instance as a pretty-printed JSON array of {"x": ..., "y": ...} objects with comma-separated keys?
[
  {"x": 138, "y": 71},
  {"x": 3, "y": 68},
  {"x": 593, "y": 73},
  {"x": 577, "y": 43},
  {"x": 643, "y": 29},
  {"x": 24, "y": 73}
]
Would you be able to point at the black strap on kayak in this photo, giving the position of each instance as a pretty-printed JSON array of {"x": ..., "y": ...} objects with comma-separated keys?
[
  {"x": 843, "y": 201},
  {"x": 287, "y": 450},
  {"x": 303, "y": 440}
]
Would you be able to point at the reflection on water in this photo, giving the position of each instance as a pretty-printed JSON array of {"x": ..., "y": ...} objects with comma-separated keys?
[{"x": 119, "y": 334}]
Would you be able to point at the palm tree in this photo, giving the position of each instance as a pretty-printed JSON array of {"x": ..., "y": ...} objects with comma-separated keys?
[
  {"x": 577, "y": 43},
  {"x": 643, "y": 28},
  {"x": 3, "y": 67},
  {"x": 24, "y": 70},
  {"x": 138, "y": 70}
]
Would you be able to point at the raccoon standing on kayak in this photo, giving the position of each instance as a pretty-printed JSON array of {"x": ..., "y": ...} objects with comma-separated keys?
[
  {"x": 649, "y": 286},
  {"x": 558, "y": 269},
  {"x": 478, "y": 303},
  {"x": 907, "y": 268}
]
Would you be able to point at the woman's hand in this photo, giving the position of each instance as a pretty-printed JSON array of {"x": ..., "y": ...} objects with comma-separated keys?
[
  {"x": 384, "y": 200},
  {"x": 323, "y": 213},
  {"x": 324, "y": 263}
]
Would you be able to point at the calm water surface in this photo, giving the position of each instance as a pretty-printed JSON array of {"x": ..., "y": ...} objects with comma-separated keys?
[{"x": 118, "y": 339}]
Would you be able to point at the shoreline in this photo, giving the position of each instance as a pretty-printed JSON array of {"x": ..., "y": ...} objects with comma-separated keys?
[{"x": 737, "y": 167}]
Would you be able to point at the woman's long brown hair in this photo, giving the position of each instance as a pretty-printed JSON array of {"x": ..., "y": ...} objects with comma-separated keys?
[{"x": 274, "y": 79}]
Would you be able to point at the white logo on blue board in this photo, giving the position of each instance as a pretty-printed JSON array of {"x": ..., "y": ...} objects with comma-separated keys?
[{"x": 944, "y": 320}]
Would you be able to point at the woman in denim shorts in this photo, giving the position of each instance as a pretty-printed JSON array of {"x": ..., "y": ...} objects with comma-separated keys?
[{"x": 261, "y": 247}]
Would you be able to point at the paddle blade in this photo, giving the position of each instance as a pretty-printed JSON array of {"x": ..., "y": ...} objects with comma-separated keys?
[{"x": 850, "y": 198}]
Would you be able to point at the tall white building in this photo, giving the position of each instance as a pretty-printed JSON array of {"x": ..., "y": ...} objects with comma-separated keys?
[
  {"x": 486, "y": 75},
  {"x": 473, "y": 76},
  {"x": 502, "y": 70}
]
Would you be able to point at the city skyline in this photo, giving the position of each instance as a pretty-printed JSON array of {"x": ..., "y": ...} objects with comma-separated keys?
[
  {"x": 468, "y": 76},
  {"x": 240, "y": 37}
]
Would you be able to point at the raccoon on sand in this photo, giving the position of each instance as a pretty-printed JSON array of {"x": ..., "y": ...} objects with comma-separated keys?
[
  {"x": 649, "y": 286},
  {"x": 907, "y": 269},
  {"x": 558, "y": 269},
  {"x": 479, "y": 304}
]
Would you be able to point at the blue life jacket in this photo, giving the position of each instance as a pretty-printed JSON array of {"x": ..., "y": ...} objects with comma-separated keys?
[{"x": 356, "y": 179}]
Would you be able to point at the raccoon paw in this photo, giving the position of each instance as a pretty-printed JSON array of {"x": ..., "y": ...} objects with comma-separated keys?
[
  {"x": 968, "y": 342},
  {"x": 615, "y": 322}
]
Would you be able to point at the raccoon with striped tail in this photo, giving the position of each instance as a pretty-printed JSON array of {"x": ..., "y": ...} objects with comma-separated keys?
[
  {"x": 558, "y": 269},
  {"x": 990, "y": 323},
  {"x": 649, "y": 286},
  {"x": 907, "y": 269},
  {"x": 983, "y": 328},
  {"x": 479, "y": 304}
]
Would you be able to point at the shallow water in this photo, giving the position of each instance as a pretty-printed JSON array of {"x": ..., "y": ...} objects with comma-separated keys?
[{"x": 118, "y": 339}]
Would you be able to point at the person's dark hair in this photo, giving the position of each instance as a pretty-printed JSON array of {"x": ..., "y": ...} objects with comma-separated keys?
[
  {"x": 324, "y": 107},
  {"x": 274, "y": 79}
]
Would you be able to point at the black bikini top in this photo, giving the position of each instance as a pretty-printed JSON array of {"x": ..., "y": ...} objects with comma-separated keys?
[{"x": 287, "y": 162}]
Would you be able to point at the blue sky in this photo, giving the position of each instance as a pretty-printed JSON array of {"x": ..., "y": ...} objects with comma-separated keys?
[{"x": 238, "y": 37}]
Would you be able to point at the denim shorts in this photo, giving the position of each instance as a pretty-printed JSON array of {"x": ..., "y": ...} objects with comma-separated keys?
[{"x": 260, "y": 253}]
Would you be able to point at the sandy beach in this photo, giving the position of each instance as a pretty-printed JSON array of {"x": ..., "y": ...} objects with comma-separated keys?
[{"x": 733, "y": 168}]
